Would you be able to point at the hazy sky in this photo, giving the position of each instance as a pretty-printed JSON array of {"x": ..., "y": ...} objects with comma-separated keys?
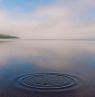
[{"x": 48, "y": 18}]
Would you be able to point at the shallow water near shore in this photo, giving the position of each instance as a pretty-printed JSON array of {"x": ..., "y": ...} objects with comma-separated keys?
[{"x": 47, "y": 68}]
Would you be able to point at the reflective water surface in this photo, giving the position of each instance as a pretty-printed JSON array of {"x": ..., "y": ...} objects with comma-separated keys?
[{"x": 47, "y": 68}]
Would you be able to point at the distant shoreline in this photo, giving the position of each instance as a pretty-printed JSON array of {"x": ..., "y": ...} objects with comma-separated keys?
[{"x": 8, "y": 37}]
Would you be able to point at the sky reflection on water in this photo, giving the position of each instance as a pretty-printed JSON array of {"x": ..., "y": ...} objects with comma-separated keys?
[{"x": 67, "y": 57}]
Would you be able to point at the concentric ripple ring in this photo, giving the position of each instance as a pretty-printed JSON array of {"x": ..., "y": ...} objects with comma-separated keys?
[{"x": 47, "y": 82}]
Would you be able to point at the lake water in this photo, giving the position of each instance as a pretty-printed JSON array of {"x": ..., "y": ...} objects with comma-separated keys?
[{"x": 47, "y": 68}]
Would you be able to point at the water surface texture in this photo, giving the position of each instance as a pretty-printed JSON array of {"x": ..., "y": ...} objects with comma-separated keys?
[{"x": 47, "y": 68}]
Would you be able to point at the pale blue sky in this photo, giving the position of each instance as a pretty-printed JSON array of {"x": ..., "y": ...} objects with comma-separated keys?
[{"x": 25, "y": 5}]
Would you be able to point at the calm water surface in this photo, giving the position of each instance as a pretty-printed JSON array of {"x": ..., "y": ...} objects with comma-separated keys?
[{"x": 47, "y": 68}]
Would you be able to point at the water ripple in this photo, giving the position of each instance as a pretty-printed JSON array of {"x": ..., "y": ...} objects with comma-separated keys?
[{"x": 47, "y": 82}]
